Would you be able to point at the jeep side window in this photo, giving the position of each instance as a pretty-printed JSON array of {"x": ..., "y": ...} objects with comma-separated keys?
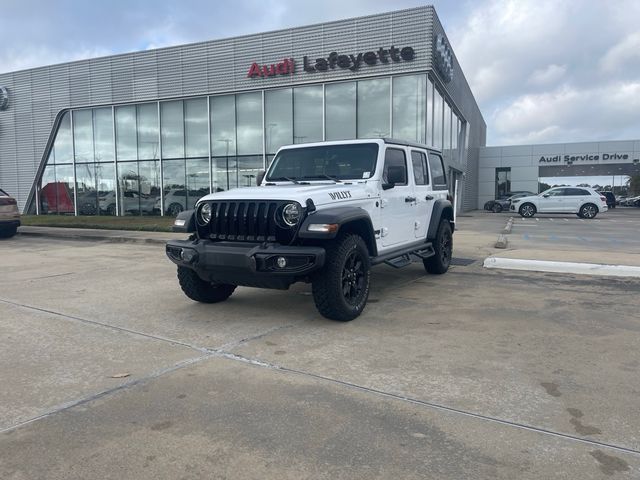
[
  {"x": 437, "y": 171},
  {"x": 420, "y": 171},
  {"x": 394, "y": 157}
]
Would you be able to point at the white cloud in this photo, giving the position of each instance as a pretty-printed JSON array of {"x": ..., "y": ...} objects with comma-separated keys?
[
  {"x": 550, "y": 75},
  {"x": 622, "y": 55},
  {"x": 569, "y": 113}
]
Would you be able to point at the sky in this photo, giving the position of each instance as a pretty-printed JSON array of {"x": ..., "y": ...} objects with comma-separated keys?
[{"x": 542, "y": 71}]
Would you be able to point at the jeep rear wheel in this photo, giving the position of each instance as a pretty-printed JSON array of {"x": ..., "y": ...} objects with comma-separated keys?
[
  {"x": 443, "y": 247},
  {"x": 201, "y": 291},
  {"x": 341, "y": 288}
]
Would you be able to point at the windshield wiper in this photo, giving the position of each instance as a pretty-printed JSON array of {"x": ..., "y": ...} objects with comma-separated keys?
[
  {"x": 323, "y": 175},
  {"x": 280, "y": 179}
]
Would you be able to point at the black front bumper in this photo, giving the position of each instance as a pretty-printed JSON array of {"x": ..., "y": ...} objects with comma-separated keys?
[
  {"x": 247, "y": 264},
  {"x": 10, "y": 223}
]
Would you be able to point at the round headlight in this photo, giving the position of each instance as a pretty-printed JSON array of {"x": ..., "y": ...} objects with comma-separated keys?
[
  {"x": 205, "y": 213},
  {"x": 291, "y": 214}
]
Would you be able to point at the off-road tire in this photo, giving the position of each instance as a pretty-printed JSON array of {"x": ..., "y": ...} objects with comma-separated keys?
[
  {"x": 588, "y": 211},
  {"x": 8, "y": 232},
  {"x": 201, "y": 291},
  {"x": 443, "y": 246},
  {"x": 527, "y": 210},
  {"x": 341, "y": 288}
]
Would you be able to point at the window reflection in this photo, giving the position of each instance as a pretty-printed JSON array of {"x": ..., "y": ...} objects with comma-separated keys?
[
  {"x": 373, "y": 108},
  {"x": 172, "y": 129},
  {"x": 429, "y": 113},
  {"x": 307, "y": 114},
  {"x": 196, "y": 128},
  {"x": 56, "y": 194},
  {"x": 340, "y": 111},
  {"x": 223, "y": 125},
  {"x": 62, "y": 146},
  {"x": 83, "y": 135},
  {"x": 103, "y": 134},
  {"x": 278, "y": 105},
  {"x": 437, "y": 119},
  {"x": 249, "y": 120},
  {"x": 126, "y": 144},
  {"x": 147, "y": 118},
  {"x": 138, "y": 188},
  {"x": 409, "y": 104}
]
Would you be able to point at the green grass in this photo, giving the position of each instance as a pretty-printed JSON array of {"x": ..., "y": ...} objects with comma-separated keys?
[{"x": 147, "y": 224}]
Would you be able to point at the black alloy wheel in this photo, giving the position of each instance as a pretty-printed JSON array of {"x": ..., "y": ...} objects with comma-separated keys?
[
  {"x": 443, "y": 248},
  {"x": 353, "y": 277},
  {"x": 341, "y": 288},
  {"x": 497, "y": 208}
]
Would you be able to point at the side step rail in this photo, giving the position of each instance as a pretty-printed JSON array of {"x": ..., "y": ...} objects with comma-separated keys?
[{"x": 404, "y": 259}]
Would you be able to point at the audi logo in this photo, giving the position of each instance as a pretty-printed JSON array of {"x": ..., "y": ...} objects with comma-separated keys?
[{"x": 4, "y": 98}]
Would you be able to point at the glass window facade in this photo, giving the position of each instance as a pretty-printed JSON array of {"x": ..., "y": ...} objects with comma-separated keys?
[
  {"x": 373, "y": 108},
  {"x": 340, "y": 111},
  {"x": 409, "y": 108},
  {"x": 307, "y": 114},
  {"x": 159, "y": 158}
]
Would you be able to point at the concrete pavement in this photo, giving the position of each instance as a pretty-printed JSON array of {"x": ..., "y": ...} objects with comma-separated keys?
[{"x": 473, "y": 374}]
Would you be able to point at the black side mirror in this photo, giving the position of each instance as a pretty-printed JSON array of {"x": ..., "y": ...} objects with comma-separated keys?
[
  {"x": 395, "y": 174},
  {"x": 546, "y": 195},
  {"x": 260, "y": 177}
]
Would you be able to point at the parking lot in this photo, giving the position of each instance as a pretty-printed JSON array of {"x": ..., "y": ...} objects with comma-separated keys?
[{"x": 109, "y": 371}]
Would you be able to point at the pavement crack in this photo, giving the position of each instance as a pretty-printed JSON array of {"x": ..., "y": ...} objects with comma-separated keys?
[
  {"x": 95, "y": 396},
  {"x": 107, "y": 325},
  {"x": 432, "y": 405},
  {"x": 237, "y": 343}
]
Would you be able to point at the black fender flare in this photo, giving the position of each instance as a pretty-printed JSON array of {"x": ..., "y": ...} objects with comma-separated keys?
[
  {"x": 189, "y": 225},
  {"x": 349, "y": 219},
  {"x": 441, "y": 209}
]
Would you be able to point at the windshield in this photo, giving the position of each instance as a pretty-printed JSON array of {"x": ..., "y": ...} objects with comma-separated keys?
[{"x": 327, "y": 162}]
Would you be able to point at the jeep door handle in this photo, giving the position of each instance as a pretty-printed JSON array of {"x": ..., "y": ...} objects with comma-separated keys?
[
  {"x": 428, "y": 197},
  {"x": 409, "y": 199}
]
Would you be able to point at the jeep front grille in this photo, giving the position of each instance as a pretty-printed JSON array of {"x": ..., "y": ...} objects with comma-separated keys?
[{"x": 247, "y": 221}]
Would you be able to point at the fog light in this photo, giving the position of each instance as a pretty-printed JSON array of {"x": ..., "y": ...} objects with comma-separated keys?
[
  {"x": 281, "y": 262},
  {"x": 188, "y": 255}
]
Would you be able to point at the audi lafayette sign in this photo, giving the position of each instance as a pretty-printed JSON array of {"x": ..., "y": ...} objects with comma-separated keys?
[{"x": 353, "y": 62}]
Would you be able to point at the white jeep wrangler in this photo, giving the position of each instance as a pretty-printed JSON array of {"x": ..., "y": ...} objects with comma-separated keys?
[{"x": 324, "y": 213}]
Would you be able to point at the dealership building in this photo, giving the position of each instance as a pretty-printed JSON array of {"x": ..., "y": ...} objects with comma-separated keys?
[{"x": 150, "y": 132}]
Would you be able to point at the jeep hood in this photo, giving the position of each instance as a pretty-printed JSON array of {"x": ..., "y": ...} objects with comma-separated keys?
[{"x": 321, "y": 193}]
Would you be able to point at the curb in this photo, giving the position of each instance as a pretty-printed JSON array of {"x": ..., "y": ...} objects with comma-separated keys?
[
  {"x": 102, "y": 238},
  {"x": 562, "y": 267},
  {"x": 501, "y": 242},
  {"x": 507, "y": 228}
]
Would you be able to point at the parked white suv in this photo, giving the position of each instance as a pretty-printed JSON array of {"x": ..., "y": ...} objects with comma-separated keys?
[
  {"x": 324, "y": 213},
  {"x": 583, "y": 201}
]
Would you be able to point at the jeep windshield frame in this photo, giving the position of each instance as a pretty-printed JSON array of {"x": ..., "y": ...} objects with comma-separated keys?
[{"x": 337, "y": 162}]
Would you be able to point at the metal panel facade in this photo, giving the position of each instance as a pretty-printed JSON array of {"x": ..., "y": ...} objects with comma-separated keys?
[{"x": 212, "y": 67}]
